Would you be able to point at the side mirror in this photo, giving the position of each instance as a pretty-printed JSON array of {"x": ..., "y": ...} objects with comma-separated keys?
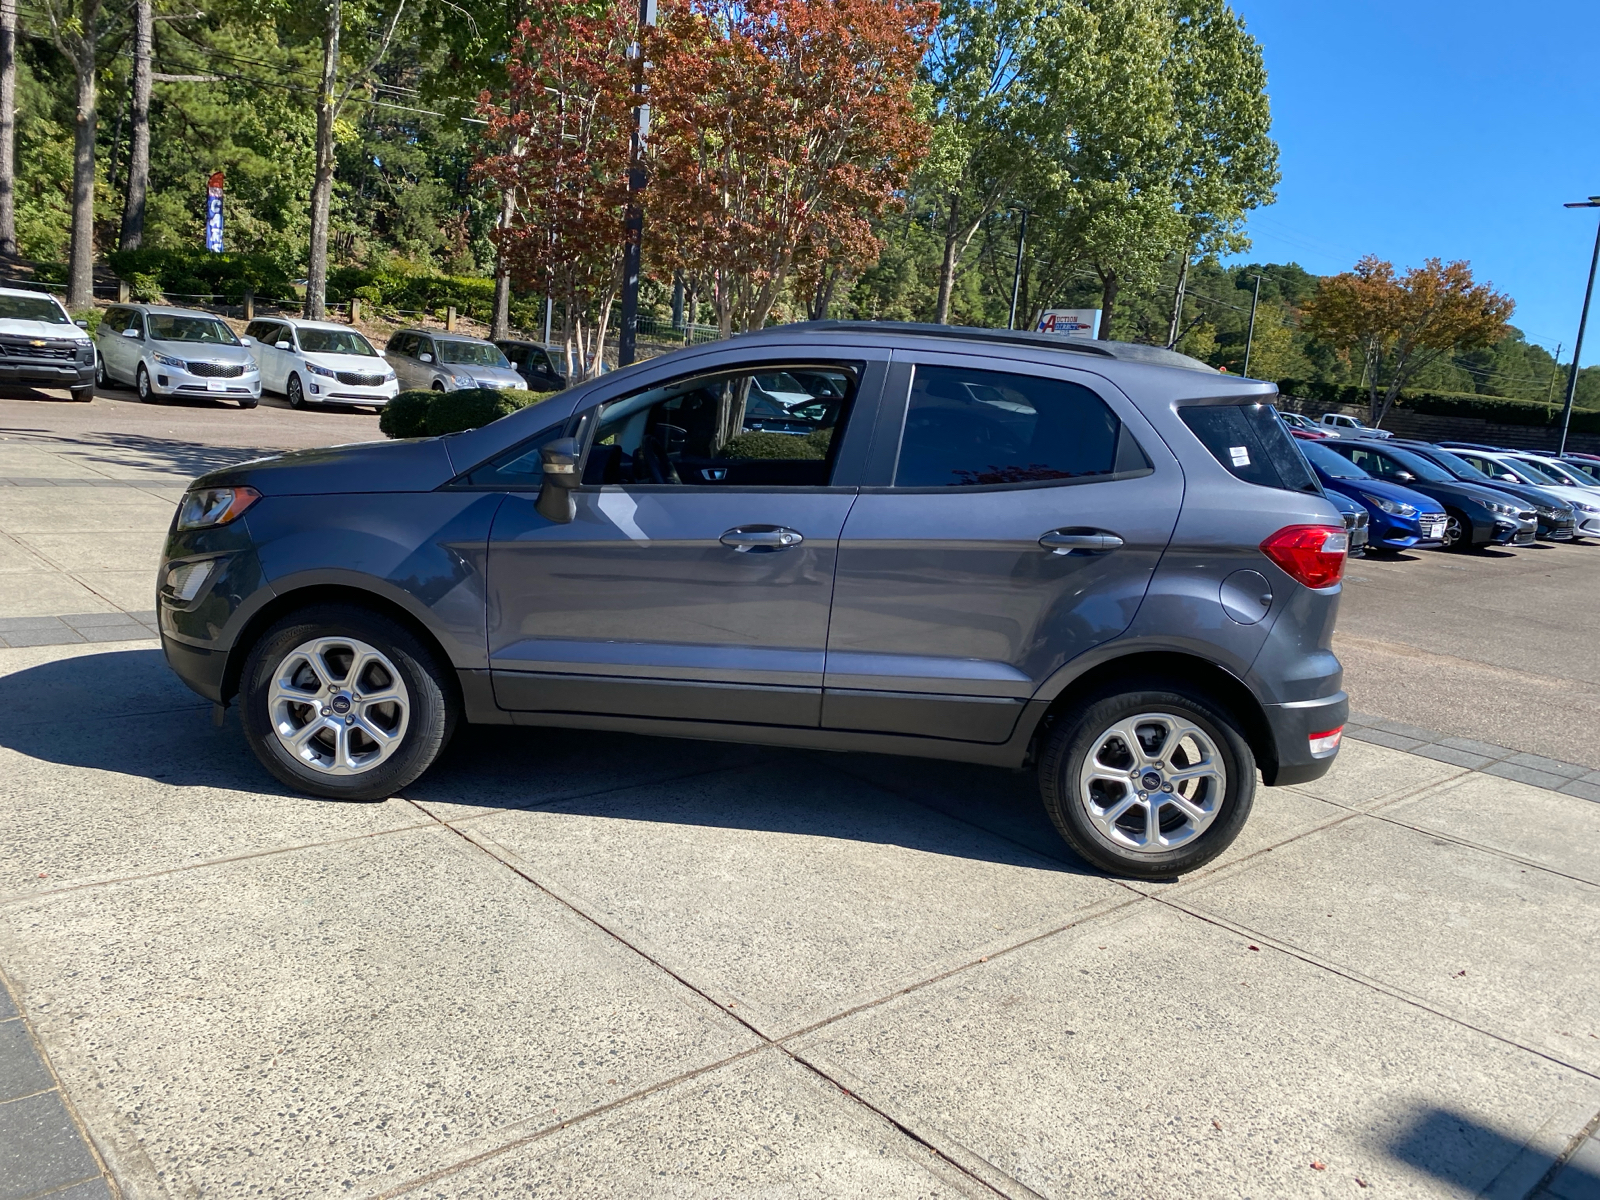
[
  {"x": 81, "y": 324},
  {"x": 246, "y": 341},
  {"x": 130, "y": 332},
  {"x": 1405, "y": 477},
  {"x": 425, "y": 357},
  {"x": 555, "y": 502},
  {"x": 282, "y": 346},
  {"x": 1509, "y": 477}
]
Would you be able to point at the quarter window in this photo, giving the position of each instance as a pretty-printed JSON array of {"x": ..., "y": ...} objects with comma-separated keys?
[
  {"x": 967, "y": 428},
  {"x": 1250, "y": 441}
]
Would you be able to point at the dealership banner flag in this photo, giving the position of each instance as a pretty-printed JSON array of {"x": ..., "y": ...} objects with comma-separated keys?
[{"x": 214, "y": 213}]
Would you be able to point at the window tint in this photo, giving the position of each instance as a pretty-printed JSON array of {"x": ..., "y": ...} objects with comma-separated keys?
[
  {"x": 724, "y": 430},
  {"x": 967, "y": 428},
  {"x": 43, "y": 309},
  {"x": 208, "y": 330},
  {"x": 1330, "y": 462},
  {"x": 1252, "y": 443},
  {"x": 521, "y": 466},
  {"x": 335, "y": 341},
  {"x": 471, "y": 354}
]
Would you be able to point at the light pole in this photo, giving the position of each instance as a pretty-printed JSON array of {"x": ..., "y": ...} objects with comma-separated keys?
[
  {"x": 1577, "y": 349},
  {"x": 1016, "y": 277},
  {"x": 633, "y": 223},
  {"x": 1250, "y": 337}
]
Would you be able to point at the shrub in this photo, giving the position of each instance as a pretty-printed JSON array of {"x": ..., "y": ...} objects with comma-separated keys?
[
  {"x": 200, "y": 272},
  {"x": 449, "y": 412},
  {"x": 763, "y": 443},
  {"x": 91, "y": 317},
  {"x": 146, "y": 289},
  {"x": 406, "y": 416}
]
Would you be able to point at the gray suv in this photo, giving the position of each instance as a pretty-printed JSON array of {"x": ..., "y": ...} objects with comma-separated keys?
[{"x": 1106, "y": 561}]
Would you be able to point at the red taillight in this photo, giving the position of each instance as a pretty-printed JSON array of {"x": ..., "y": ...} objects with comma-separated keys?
[
  {"x": 1327, "y": 741},
  {"x": 1309, "y": 554}
]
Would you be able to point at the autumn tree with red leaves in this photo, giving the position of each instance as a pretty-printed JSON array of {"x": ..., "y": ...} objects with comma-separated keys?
[{"x": 782, "y": 128}]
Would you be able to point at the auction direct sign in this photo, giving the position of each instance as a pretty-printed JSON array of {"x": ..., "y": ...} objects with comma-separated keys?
[
  {"x": 214, "y": 213},
  {"x": 1070, "y": 322}
]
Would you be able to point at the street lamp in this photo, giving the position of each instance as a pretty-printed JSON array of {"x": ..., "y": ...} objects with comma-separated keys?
[
  {"x": 1016, "y": 277},
  {"x": 1250, "y": 338},
  {"x": 1583, "y": 321}
]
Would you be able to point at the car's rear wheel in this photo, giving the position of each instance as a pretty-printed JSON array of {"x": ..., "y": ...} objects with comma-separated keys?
[
  {"x": 1150, "y": 783},
  {"x": 342, "y": 702}
]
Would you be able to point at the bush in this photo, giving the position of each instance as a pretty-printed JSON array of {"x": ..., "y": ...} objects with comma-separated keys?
[
  {"x": 406, "y": 416},
  {"x": 91, "y": 317},
  {"x": 146, "y": 289},
  {"x": 398, "y": 284},
  {"x": 763, "y": 443},
  {"x": 199, "y": 272},
  {"x": 1498, "y": 410},
  {"x": 449, "y": 412}
]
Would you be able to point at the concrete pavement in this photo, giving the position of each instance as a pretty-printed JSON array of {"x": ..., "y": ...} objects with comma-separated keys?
[{"x": 567, "y": 963}]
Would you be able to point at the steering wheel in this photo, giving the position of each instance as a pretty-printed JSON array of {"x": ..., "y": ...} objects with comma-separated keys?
[{"x": 656, "y": 463}]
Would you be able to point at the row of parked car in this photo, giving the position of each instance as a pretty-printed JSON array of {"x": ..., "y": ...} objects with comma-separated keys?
[
  {"x": 1397, "y": 493},
  {"x": 162, "y": 351}
]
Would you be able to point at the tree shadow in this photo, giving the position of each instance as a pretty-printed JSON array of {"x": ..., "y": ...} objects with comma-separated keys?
[
  {"x": 118, "y": 450},
  {"x": 126, "y": 713},
  {"x": 1462, "y": 1151}
]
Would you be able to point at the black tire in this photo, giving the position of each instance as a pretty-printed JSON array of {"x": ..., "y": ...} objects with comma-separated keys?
[
  {"x": 141, "y": 384},
  {"x": 295, "y": 391},
  {"x": 428, "y": 686},
  {"x": 1074, "y": 735},
  {"x": 437, "y": 386},
  {"x": 101, "y": 378},
  {"x": 83, "y": 395},
  {"x": 249, "y": 401},
  {"x": 1457, "y": 532}
]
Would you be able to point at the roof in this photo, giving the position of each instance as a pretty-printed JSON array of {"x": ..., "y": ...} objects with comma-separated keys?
[
  {"x": 303, "y": 323},
  {"x": 1094, "y": 348},
  {"x": 444, "y": 333},
  {"x": 26, "y": 291},
  {"x": 168, "y": 310}
]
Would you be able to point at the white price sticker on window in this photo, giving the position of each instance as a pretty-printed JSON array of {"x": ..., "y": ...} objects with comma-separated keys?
[{"x": 1240, "y": 455}]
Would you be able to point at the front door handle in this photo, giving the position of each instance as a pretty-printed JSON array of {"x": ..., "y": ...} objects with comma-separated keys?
[
  {"x": 1063, "y": 542},
  {"x": 762, "y": 538}
]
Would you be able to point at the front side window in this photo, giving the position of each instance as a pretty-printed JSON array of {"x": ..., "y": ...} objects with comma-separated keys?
[
  {"x": 471, "y": 354},
  {"x": 206, "y": 330},
  {"x": 971, "y": 428},
  {"x": 335, "y": 341},
  {"x": 724, "y": 430},
  {"x": 1330, "y": 462},
  {"x": 1250, "y": 441}
]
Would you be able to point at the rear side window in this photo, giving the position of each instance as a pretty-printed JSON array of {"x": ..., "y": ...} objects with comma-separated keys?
[
  {"x": 1252, "y": 443},
  {"x": 967, "y": 428}
]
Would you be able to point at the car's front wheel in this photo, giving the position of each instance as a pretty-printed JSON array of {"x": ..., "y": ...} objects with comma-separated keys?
[
  {"x": 1149, "y": 783},
  {"x": 1457, "y": 531},
  {"x": 101, "y": 378},
  {"x": 295, "y": 391},
  {"x": 141, "y": 384},
  {"x": 342, "y": 702}
]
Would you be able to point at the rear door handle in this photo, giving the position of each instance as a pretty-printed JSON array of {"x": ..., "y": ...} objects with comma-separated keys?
[
  {"x": 762, "y": 538},
  {"x": 1059, "y": 542}
]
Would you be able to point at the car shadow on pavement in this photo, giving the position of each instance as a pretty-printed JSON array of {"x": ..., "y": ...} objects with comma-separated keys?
[
  {"x": 1459, "y": 1150},
  {"x": 124, "y": 712}
]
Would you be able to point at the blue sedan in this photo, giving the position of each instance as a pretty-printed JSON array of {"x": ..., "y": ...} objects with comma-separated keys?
[{"x": 1399, "y": 518}]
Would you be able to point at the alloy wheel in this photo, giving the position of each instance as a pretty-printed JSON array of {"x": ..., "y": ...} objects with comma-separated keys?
[
  {"x": 142, "y": 384},
  {"x": 1152, "y": 782},
  {"x": 297, "y": 393},
  {"x": 338, "y": 705},
  {"x": 1452, "y": 532}
]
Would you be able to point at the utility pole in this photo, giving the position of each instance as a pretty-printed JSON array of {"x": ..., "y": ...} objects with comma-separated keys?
[
  {"x": 1016, "y": 277},
  {"x": 1250, "y": 338},
  {"x": 1550, "y": 392},
  {"x": 627, "y": 338},
  {"x": 1583, "y": 321},
  {"x": 1177, "y": 302}
]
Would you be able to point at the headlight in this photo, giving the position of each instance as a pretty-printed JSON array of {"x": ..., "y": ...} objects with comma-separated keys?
[
  {"x": 166, "y": 360},
  {"x": 316, "y": 370},
  {"x": 1503, "y": 508},
  {"x": 1582, "y": 507},
  {"x": 204, "y": 508},
  {"x": 1393, "y": 507},
  {"x": 464, "y": 381},
  {"x": 390, "y": 377}
]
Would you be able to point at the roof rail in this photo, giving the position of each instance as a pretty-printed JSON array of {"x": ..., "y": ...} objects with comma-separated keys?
[{"x": 966, "y": 333}]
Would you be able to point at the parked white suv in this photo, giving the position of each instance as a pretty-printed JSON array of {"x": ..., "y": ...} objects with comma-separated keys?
[
  {"x": 319, "y": 362},
  {"x": 1342, "y": 426},
  {"x": 175, "y": 352},
  {"x": 41, "y": 347}
]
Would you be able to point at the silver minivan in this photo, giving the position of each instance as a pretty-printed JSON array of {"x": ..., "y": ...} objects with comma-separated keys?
[
  {"x": 428, "y": 360},
  {"x": 162, "y": 351}
]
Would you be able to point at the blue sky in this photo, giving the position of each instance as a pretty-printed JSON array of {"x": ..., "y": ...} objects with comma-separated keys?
[{"x": 1412, "y": 128}]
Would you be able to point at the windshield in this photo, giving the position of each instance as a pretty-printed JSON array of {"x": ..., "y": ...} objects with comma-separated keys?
[
  {"x": 165, "y": 328},
  {"x": 1559, "y": 473},
  {"x": 1419, "y": 466},
  {"x": 1330, "y": 462},
  {"x": 1459, "y": 466},
  {"x": 32, "y": 308},
  {"x": 335, "y": 341},
  {"x": 1527, "y": 471},
  {"x": 1588, "y": 472},
  {"x": 471, "y": 354}
]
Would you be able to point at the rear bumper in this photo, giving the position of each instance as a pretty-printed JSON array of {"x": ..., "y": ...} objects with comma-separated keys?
[{"x": 1292, "y": 726}]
